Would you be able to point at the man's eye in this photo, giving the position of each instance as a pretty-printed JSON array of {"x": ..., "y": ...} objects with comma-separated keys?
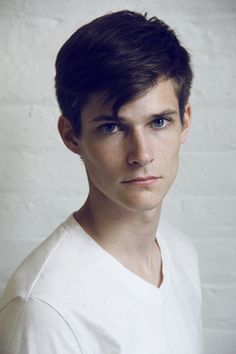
[
  {"x": 109, "y": 128},
  {"x": 160, "y": 123}
]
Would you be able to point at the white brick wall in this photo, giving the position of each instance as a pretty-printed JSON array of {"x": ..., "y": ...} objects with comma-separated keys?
[{"x": 41, "y": 182}]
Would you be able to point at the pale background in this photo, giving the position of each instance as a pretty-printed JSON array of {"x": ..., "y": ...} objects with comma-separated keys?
[{"x": 41, "y": 182}]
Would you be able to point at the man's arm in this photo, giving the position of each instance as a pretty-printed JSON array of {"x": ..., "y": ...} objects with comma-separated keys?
[{"x": 31, "y": 326}]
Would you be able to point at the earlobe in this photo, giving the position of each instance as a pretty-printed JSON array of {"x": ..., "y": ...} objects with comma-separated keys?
[
  {"x": 186, "y": 123},
  {"x": 66, "y": 132}
]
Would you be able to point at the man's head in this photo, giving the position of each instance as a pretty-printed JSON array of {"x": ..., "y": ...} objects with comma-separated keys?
[{"x": 120, "y": 56}]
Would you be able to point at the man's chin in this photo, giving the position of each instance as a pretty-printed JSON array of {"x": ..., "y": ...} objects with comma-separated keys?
[{"x": 142, "y": 205}]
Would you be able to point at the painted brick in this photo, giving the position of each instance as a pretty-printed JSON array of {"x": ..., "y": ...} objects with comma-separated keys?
[
  {"x": 35, "y": 216},
  {"x": 219, "y": 309},
  {"x": 220, "y": 341},
  {"x": 217, "y": 261},
  {"x": 41, "y": 182}
]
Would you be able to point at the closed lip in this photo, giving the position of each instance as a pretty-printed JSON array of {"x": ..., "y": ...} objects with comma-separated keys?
[{"x": 141, "y": 179}]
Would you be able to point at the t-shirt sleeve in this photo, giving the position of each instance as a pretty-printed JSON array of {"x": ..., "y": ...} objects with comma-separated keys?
[{"x": 31, "y": 326}]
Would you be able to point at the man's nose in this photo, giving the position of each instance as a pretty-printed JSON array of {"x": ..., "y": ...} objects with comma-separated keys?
[{"x": 140, "y": 152}]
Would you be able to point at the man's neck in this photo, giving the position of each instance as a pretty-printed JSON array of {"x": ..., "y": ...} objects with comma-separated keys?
[{"x": 127, "y": 235}]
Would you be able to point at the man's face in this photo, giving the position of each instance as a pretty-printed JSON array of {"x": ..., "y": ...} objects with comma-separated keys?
[{"x": 144, "y": 142}]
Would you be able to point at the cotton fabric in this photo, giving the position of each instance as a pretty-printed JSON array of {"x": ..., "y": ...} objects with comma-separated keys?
[{"x": 70, "y": 296}]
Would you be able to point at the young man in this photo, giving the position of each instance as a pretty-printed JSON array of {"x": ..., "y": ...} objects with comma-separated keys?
[{"x": 111, "y": 279}]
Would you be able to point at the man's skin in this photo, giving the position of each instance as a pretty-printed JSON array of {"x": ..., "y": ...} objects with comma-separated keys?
[{"x": 123, "y": 217}]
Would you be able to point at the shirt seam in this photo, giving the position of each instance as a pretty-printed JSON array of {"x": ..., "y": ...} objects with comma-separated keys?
[
  {"x": 50, "y": 306},
  {"x": 63, "y": 318},
  {"x": 44, "y": 265}
]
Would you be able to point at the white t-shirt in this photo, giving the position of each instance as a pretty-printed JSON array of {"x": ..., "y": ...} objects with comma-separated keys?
[{"x": 70, "y": 296}]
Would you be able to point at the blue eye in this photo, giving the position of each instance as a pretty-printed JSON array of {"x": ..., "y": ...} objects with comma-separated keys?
[
  {"x": 160, "y": 122},
  {"x": 109, "y": 128}
]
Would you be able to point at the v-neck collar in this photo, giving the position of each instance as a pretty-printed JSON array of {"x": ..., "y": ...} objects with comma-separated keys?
[{"x": 114, "y": 266}]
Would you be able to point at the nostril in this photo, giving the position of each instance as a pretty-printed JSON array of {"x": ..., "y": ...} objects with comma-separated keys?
[
  {"x": 140, "y": 160},
  {"x": 134, "y": 162},
  {"x": 139, "y": 152}
]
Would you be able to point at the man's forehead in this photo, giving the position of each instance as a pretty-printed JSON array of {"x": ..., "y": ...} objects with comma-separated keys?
[
  {"x": 101, "y": 101},
  {"x": 160, "y": 97}
]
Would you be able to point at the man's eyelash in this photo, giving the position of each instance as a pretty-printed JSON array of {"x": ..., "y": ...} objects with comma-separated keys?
[
  {"x": 102, "y": 127},
  {"x": 167, "y": 120}
]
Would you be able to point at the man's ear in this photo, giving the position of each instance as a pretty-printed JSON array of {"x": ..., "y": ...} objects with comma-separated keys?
[
  {"x": 65, "y": 129},
  {"x": 186, "y": 122}
]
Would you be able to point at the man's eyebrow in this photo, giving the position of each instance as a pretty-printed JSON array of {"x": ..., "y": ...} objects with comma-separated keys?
[
  {"x": 105, "y": 117},
  {"x": 112, "y": 118}
]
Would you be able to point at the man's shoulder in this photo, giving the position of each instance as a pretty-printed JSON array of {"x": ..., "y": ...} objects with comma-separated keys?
[
  {"x": 183, "y": 253},
  {"x": 34, "y": 266},
  {"x": 178, "y": 241}
]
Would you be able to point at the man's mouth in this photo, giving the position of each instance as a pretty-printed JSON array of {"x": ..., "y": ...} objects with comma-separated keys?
[{"x": 142, "y": 180}]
